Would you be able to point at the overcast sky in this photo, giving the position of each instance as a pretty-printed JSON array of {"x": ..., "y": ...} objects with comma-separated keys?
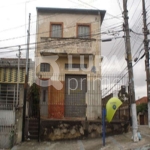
[{"x": 14, "y": 23}]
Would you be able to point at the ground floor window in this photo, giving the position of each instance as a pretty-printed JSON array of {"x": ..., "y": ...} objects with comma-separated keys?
[{"x": 8, "y": 94}]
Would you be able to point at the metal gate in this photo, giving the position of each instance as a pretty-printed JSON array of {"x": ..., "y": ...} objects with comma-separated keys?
[
  {"x": 7, "y": 115},
  {"x": 75, "y": 90}
]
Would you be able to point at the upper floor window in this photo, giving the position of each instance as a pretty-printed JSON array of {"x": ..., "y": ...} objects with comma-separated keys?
[
  {"x": 75, "y": 66},
  {"x": 45, "y": 67},
  {"x": 83, "y": 30},
  {"x": 56, "y": 30}
]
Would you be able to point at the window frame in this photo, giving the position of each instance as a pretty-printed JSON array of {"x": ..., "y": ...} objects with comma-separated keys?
[
  {"x": 83, "y": 24},
  {"x": 44, "y": 67},
  {"x": 75, "y": 66},
  {"x": 56, "y": 23},
  {"x": 8, "y": 96}
]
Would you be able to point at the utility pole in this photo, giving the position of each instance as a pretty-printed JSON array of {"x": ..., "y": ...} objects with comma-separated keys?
[
  {"x": 130, "y": 72},
  {"x": 147, "y": 67},
  {"x": 26, "y": 81},
  {"x": 18, "y": 79}
]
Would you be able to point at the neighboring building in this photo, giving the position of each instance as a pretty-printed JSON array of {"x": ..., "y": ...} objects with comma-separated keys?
[
  {"x": 141, "y": 100},
  {"x": 68, "y": 63},
  {"x": 8, "y": 99},
  {"x": 9, "y": 71},
  {"x": 143, "y": 114}
]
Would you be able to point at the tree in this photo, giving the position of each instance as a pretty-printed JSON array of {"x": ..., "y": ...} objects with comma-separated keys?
[
  {"x": 34, "y": 99},
  {"x": 142, "y": 108}
]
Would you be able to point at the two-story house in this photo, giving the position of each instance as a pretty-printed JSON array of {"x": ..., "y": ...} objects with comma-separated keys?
[{"x": 68, "y": 63}]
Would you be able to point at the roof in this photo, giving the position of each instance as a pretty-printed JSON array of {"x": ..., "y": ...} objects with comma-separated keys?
[
  {"x": 13, "y": 62},
  {"x": 73, "y": 10},
  {"x": 141, "y": 100}
]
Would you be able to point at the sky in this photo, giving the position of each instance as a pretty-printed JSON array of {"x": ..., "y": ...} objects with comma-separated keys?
[{"x": 14, "y": 23}]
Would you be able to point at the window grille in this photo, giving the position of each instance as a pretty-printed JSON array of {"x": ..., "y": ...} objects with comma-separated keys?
[
  {"x": 45, "y": 67},
  {"x": 7, "y": 96}
]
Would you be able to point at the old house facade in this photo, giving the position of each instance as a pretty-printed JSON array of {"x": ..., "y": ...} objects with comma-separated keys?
[{"x": 68, "y": 59}]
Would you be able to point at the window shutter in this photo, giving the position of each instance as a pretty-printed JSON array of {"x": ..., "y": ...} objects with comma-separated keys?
[
  {"x": 56, "y": 30},
  {"x": 83, "y": 31}
]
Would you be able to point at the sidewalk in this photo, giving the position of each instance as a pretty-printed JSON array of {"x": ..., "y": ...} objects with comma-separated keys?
[{"x": 117, "y": 142}]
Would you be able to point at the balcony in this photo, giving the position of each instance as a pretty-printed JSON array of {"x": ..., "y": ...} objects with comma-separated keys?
[{"x": 67, "y": 46}]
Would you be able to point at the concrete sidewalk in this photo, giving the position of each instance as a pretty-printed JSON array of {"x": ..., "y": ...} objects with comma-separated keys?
[{"x": 117, "y": 142}]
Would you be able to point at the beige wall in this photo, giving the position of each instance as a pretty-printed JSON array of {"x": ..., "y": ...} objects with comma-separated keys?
[
  {"x": 69, "y": 26},
  {"x": 69, "y": 23},
  {"x": 93, "y": 97}
]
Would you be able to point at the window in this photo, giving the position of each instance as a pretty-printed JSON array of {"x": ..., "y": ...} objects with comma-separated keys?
[
  {"x": 45, "y": 67},
  {"x": 8, "y": 95},
  {"x": 56, "y": 30},
  {"x": 44, "y": 95},
  {"x": 75, "y": 66},
  {"x": 83, "y": 31}
]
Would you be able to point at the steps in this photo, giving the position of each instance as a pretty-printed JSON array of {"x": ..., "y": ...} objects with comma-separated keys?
[{"x": 33, "y": 129}]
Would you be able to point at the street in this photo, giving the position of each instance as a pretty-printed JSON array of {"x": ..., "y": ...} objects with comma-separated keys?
[{"x": 116, "y": 142}]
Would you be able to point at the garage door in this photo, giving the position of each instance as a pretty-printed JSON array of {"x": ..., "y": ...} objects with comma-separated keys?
[{"x": 75, "y": 90}]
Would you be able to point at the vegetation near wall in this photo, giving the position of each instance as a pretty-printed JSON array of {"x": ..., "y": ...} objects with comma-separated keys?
[
  {"x": 142, "y": 108},
  {"x": 34, "y": 98}
]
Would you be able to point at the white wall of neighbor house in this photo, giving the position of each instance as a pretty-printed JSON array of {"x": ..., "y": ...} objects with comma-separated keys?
[{"x": 12, "y": 119}]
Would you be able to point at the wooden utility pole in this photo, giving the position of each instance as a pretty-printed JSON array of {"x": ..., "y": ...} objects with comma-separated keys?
[
  {"x": 26, "y": 82},
  {"x": 130, "y": 72},
  {"x": 147, "y": 67}
]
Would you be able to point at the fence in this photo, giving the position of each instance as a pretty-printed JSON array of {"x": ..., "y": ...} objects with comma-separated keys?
[
  {"x": 75, "y": 95},
  {"x": 7, "y": 115},
  {"x": 7, "y": 126}
]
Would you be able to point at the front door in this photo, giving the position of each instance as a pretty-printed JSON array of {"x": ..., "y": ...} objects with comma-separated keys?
[
  {"x": 141, "y": 119},
  {"x": 75, "y": 90}
]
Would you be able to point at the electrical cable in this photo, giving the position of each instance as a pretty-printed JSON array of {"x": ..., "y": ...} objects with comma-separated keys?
[
  {"x": 42, "y": 32},
  {"x": 123, "y": 76}
]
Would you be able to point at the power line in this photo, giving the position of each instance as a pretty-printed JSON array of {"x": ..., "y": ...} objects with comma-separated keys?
[
  {"x": 53, "y": 15},
  {"x": 98, "y": 9},
  {"x": 122, "y": 77},
  {"x": 16, "y": 3},
  {"x": 43, "y": 33},
  {"x": 131, "y": 5},
  {"x": 136, "y": 32},
  {"x": 136, "y": 9},
  {"x": 119, "y": 5},
  {"x": 41, "y": 42},
  {"x": 94, "y": 34}
]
